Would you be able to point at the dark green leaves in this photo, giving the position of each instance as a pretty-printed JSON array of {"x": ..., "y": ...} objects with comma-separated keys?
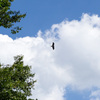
[
  {"x": 16, "y": 81},
  {"x": 8, "y": 17}
]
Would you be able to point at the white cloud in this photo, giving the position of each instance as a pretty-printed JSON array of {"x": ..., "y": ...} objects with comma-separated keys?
[
  {"x": 75, "y": 60},
  {"x": 79, "y": 41},
  {"x": 95, "y": 95}
]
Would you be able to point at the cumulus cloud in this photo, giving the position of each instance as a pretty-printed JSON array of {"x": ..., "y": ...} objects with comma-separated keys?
[
  {"x": 95, "y": 95},
  {"x": 79, "y": 41},
  {"x": 75, "y": 60}
]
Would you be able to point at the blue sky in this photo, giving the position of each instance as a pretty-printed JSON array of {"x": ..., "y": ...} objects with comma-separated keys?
[{"x": 41, "y": 15}]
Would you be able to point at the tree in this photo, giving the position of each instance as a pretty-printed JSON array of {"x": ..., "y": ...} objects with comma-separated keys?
[
  {"x": 9, "y": 17},
  {"x": 16, "y": 80}
]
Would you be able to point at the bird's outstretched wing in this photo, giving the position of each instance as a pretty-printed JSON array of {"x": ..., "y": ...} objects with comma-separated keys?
[{"x": 53, "y": 45}]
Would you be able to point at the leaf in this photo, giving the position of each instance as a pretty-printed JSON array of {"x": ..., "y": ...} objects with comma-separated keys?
[{"x": 16, "y": 80}]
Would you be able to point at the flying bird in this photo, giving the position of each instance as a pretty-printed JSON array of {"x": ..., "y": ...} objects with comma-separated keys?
[{"x": 53, "y": 45}]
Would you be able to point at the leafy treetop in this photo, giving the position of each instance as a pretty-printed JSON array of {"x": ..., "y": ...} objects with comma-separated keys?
[
  {"x": 16, "y": 81},
  {"x": 9, "y": 17}
]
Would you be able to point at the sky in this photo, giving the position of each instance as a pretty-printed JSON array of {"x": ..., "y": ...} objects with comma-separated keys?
[{"x": 72, "y": 70}]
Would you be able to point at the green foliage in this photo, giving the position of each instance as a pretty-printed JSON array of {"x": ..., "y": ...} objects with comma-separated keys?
[
  {"x": 16, "y": 81},
  {"x": 9, "y": 17}
]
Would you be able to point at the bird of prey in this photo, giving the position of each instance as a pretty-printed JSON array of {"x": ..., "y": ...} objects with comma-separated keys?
[{"x": 53, "y": 45}]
